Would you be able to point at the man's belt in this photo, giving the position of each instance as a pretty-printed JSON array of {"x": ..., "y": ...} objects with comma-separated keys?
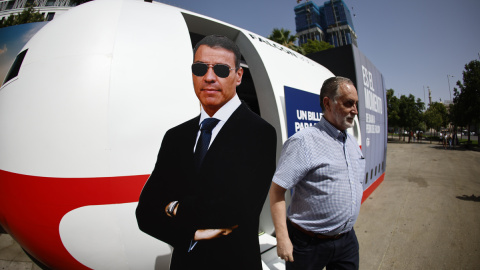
[{"x": 315, "y": 235}]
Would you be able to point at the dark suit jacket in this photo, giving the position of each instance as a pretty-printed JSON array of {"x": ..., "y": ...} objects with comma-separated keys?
[{"x": 229, "y": 189}]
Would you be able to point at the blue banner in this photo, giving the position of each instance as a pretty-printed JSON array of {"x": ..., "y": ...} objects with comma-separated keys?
[{"x": 302, "y": 108}]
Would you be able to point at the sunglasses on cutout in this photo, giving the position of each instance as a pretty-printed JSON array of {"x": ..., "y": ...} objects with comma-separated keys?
[{"x": 221, "y": 70}]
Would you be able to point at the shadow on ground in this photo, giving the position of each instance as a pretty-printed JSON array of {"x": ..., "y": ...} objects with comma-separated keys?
[
  {"x": 472, "y": 198},
  {"x": 436, "y": 145}
]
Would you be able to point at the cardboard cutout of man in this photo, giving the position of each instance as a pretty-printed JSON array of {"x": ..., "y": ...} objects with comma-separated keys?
[{"x": 208, "y": 210}]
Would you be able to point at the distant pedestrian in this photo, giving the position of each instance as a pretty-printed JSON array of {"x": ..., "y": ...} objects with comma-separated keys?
[{"x": 444, "y": 138}]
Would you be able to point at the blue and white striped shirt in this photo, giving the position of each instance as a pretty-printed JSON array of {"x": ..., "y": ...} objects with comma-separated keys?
[{"x": 326, "y": 175}]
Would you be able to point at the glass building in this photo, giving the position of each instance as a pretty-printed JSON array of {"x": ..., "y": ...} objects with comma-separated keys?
[
  {"x": 331, "y": 22},
  {"x": 48, "y": 8}
]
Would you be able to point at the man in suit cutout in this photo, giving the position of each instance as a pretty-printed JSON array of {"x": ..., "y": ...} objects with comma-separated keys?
[{"x": 210, "y": 213}]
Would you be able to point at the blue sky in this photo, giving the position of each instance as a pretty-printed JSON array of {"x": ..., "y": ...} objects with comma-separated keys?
[
  {"x": 414, "y": 43},
  {"x": 11, "y": 43}
]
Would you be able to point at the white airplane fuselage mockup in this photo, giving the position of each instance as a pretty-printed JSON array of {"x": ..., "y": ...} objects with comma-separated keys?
[{"x": 83, "y": 113}]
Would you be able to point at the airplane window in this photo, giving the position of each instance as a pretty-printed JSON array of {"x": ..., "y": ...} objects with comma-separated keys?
[
  {"x": 13, "y": 72},
  {"x": 50, "y": 16}
]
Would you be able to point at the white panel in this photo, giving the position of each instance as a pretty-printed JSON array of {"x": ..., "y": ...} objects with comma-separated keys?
[
  {"x": 99, "y": 87},
  {"x": 97, "y": 91},
  {"x": 270, "y": 259},
  {"x": 151, "y": 85},
  {"x": 107, "y": 237},
  {"x": 55, "y": 110},
  {"x": 287, "y": 68}
]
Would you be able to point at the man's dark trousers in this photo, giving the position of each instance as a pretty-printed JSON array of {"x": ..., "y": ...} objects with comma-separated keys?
[{"x": 314, "y": 253}]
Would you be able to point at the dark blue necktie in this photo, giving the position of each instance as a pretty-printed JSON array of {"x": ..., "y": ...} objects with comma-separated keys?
[{"x": 202, "y": 145}]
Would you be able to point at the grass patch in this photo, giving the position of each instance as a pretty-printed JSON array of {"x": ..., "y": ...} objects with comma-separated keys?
[{"x": 464, "y": 141}]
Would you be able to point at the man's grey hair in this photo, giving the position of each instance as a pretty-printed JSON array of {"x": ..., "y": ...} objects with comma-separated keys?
[{"x": 330, "y": 88}]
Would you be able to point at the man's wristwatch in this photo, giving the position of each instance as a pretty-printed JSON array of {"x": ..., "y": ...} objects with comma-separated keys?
[{"x": 171, "y": 208}]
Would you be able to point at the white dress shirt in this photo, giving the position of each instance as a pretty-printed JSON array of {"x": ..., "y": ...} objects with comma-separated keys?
[{"x": 222, "y": 114}]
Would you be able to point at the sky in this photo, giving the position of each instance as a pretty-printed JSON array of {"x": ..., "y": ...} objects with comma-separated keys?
[
  {"x": 415, "y": 44},
  {"x": 9, "y": 35}
]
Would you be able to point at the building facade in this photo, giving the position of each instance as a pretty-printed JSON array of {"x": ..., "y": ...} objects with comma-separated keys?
[
  {"x": 48, "y": 8},
  {"x": 331, "y": 22}
]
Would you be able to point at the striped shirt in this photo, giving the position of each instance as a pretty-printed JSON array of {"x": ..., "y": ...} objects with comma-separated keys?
[{"x": 324, "y": 167}]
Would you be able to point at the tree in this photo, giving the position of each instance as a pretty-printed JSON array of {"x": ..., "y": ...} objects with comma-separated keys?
[
  {"x": 392, "y": 109},
  {"x": 405, "y": 112},
  {"x": 315, "y": 46},
  {"x": 466, "y": 110},
  {"x": 436, "y": 116},
  {"x": 410, "y": 112},
  {"x": 28, "y": 15},
  {"x": 418, "y": 114},
  {"x": 283, "y": 37}
]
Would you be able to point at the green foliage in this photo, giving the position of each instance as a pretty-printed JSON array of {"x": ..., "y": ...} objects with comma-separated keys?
[
  {"x": 410, "y": 111},
  {"x": 465, "y": 110},
  {"x": 422, "y": 126},
  {"x": 392, "y": 109},
  {"x": 315, "y": 46},
  {"x": 28, "y": 15},
  {"x": 436, "y": 116},
  {"x": 283, "y": 37},
  {"x": 405, "y": 112}
]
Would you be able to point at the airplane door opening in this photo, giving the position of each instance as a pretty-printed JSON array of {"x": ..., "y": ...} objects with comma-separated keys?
[{"x": 255, "y": 90}]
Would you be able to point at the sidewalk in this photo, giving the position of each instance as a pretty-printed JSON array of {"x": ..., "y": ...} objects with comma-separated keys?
[
  {"x": 426, "y": 213},
  {"x": 12, "y": 256}
]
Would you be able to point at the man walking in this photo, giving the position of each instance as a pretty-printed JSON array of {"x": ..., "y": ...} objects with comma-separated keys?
[{"x": 324, "y": 167}]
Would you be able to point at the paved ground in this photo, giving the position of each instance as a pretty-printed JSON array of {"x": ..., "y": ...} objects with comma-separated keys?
[
  {"x": 12, "y": 256},
  {"x": 425, "y": 214}
]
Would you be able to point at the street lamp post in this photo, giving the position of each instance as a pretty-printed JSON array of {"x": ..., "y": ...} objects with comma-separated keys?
[
  {"x": 448, "y": 78},
  {"x": 454, "y": 129},
  {"x": 424, "y": 100}
]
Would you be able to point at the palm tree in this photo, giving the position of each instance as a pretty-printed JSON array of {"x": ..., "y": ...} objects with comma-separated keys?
[{"x": 283, "y": 37}]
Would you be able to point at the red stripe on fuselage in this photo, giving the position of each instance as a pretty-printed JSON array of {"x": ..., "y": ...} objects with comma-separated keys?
[
  {"x": 367, "y": 192},
  {"x": 32, "y": 207}
]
